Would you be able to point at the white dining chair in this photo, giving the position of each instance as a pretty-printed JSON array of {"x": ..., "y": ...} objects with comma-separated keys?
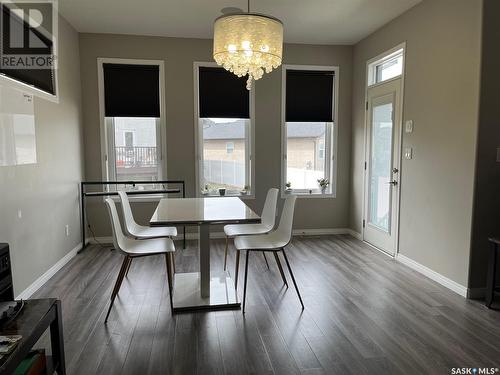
[
  {"x": 274, "y": 241},
  {"x": 266, "y": 225},
  {"x": 140, "y": 232},
  {"x": 132, "y": 248}
]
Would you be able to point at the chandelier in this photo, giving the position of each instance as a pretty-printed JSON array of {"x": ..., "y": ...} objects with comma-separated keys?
[{"x": 248, "y": 44}]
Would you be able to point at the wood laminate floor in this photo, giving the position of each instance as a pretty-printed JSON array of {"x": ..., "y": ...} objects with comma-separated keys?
[{"x": 365, "y": 314}]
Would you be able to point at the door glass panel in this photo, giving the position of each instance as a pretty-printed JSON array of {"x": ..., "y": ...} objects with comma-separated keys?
[{"x": 380, "y": 163}]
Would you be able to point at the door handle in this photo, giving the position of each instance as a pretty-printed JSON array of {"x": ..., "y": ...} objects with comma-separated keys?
[{"x": 393, "y": 182}]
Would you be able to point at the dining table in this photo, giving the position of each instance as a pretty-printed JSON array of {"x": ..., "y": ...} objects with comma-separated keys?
[{"x": 203, "y": 289}]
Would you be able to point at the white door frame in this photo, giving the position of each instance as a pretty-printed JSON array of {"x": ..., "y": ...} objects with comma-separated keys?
[{"x": 398, "y": 133}]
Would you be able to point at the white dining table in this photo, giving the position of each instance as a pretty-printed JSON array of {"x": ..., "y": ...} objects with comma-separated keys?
[{"x": 203, "y": 289}]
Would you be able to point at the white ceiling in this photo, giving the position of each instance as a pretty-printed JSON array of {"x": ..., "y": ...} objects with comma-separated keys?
[{"x": 305, "y": 21}]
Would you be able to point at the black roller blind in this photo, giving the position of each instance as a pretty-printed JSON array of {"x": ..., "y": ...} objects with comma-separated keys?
[
  {"x": 309, "y": 96},
  {"x": 222, "y": 94},
  {"x": 43, "y": 79},
  {"x": 131, "y": 90}
]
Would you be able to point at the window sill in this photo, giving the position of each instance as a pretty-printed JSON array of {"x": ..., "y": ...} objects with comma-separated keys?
[
  {"x": 153, "y": 198},
  {"x": 238, "y": 195},
  {"x": 314, "y": 194}
]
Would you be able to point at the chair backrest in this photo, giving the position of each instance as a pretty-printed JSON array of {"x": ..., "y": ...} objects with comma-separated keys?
[
  {"x": 119, "y": 239},
  {"x": 284, "y": 230},
  {"x": 269, "y": 211},
  {"x": 131, "y": 227}
]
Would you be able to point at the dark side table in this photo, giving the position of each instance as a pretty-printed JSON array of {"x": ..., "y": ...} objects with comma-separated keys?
[
  {"x": 33, "y": 320},
  {"x": 491, "y": 282}
]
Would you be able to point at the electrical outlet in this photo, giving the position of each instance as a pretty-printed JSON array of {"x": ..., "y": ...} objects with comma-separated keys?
[
  {"x": 67, "y": 230},
  {"x": 19, "y": 214},
  {"x": 408, "y": 153},
  {"x": 409, "y": 126},
  {"x": 498, "y": 154}
]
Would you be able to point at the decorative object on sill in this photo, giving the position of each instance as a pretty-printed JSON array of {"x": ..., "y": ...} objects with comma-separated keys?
[
  {"x": 248, "y": 43},
  {"x": 245, "y": 190},
  {"x": 206, "y": 190},
  {"x": 288, "y": 187},
  {"x": 323, "y": 184},
  {"x": 222, "y": 192}
]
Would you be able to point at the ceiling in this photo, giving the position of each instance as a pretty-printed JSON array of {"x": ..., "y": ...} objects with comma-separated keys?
[{"x": 305, "y": 21}]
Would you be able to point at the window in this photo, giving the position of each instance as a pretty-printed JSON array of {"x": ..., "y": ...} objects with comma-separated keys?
[
  {"x": 385, "y": 68},
  {"x": 321, "y": 149},
  {"x": 133, "y": 148},
  {"x": 224, "y": 131},
  {"x": 27, "y": 44},
  {"x": 132, "y": 119},
  {"x": 308, "y": 129}
]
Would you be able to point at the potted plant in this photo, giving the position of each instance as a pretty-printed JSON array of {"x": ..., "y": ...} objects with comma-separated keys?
[
  {"x": 323, "y": 184},
  {"x": 288, "y": 187},
  {"x": 206, "y": 190},
  {"x": 245, "y": 190},
  {"x": 222, "y": 192}
]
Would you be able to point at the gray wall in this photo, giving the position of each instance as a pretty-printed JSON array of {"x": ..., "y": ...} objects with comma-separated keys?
[
  {"x": 487, "y": 201},
  {"x": 179, "y": 55},
  {"x": 47, "y": 192},
  {"x": 441, "y": 97}
]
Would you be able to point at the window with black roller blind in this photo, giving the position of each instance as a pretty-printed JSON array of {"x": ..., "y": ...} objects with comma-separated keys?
[
  {"x": 224, "y": 131},
  {"x": 132, "y": 97},
  {"x": 41, "y": 78},
  {"x": 309, "y": 134}
]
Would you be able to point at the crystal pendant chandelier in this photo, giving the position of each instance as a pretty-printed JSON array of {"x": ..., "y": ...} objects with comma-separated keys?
[{"x": 248, "y": 43}]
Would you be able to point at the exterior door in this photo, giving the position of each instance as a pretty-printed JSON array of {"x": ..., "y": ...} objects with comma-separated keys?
[{"x": 382, "y": 166}]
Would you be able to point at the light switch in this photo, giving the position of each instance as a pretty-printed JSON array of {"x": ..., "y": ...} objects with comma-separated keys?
[
  {"x": 408, "y": 153},
  {"x": 409, "y": 126}
]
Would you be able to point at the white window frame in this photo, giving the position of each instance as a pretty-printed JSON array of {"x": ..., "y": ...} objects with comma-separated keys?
[
  {"x": 249, "y": 141},
  {"x": 107, "y": 139},
  {"x": 382, "y": 59},
  {"x": 331, "y": 137}
]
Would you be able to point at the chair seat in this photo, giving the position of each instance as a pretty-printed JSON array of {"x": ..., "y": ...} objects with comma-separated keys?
[
  {"x": 147, "y": 246},
  {"x": 154, "y": 232},
  {"x": 271, "y": 241},
  {"x": 234, "y": 230}
]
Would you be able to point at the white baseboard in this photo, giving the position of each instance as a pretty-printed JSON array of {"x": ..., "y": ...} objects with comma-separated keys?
[
  {"x": 320, "y": 232},
  {"x": 433, "y": 275},
  {"x": 38, "y": 283},
  {"x": 355, "y": 234},
  {"x": 217, "y": 235}
]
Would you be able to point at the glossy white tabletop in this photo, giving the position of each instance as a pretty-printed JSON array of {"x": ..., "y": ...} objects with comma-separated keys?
[{"x": 202, "y": 211}]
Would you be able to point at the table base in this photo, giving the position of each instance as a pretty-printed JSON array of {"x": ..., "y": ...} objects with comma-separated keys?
[{"x": 187, "y": 294}]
